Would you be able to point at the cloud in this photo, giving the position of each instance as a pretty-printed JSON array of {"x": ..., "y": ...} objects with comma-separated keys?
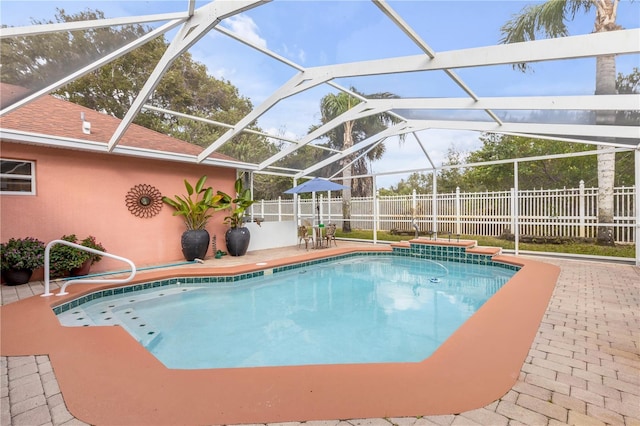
[
  {"x": 281, "y": 132},
  {"x": 246, "y": 28},
  {"x": 297, "y": 54}
]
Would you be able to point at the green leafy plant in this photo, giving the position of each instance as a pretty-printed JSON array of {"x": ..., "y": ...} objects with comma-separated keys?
[
  {"x": 91, "y": 242},
  {"x": 22, "y": 253},
  {"x": 196, "y": 206},
  {"x": 64, "y": 258},
  {"x": 237, "y": 205}
]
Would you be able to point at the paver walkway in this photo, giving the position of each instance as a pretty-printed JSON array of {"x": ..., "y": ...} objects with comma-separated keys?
[{"x": 583, "y": 367}]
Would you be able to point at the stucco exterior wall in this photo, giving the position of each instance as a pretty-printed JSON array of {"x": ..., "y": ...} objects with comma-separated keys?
[{"x": 84, "y": 194}]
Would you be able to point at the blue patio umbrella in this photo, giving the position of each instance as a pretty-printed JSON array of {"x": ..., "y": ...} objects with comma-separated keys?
[{"x": 315, "y": 185}]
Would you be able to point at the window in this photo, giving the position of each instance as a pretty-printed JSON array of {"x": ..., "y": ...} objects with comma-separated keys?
[{"x": 17, "y": 177}]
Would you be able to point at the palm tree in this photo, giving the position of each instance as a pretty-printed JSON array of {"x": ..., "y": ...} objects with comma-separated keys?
[
  {"x": 549, "y": 18},
  {"x": 333, "y": 105}
]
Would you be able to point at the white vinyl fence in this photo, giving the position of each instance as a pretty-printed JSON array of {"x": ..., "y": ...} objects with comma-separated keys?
[{"x": 567, "y": 212}]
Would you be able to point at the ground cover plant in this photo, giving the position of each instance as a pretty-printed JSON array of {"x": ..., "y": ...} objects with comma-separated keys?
[{"x": 618, "y": 250}]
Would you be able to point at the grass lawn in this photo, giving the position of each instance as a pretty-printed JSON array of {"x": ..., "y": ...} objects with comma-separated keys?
[{"x": 621, "y": 250}]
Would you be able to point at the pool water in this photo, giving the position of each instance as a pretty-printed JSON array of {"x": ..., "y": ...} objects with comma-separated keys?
[{"x": 355, "y": 310}]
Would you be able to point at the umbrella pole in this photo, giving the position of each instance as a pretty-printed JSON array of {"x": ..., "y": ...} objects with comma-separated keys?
[{"x": 314, "y": 202}]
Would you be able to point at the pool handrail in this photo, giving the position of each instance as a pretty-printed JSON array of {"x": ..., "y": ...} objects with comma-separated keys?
[{"x": 62, "y": 291}]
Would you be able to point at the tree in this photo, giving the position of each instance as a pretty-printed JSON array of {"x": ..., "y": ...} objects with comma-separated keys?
[
  {"x": 628, "y": 84},
  {"x": 549, "y": 18},
  {"x": 419, "y": 182},
  {"x": 333, "y": 105},
  {"x": 37, "y": 60},
  {"x": 450, "y": 179},
  {"x": 186, "y": 87},
  {"x": 555, "y": 173}
]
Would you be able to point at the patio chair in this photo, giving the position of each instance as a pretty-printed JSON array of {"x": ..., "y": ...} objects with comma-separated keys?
[
  {"x": 330, "y": 234},
  {"x": 303, "y": 235}
]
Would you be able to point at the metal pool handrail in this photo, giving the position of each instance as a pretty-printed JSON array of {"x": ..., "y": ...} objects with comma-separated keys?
[{"x": 62, "y": 291}]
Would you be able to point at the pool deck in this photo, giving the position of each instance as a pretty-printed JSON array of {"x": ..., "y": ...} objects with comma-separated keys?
[{"x": 582, "y": 367}]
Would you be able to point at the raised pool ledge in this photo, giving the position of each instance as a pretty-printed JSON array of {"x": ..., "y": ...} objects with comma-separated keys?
[
  {"x": 465, "y": 251},
  {"x": 107, "y": 377}
]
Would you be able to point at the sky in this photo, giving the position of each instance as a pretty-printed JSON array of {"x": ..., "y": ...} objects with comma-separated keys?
[{"x": 318, "y": 32}]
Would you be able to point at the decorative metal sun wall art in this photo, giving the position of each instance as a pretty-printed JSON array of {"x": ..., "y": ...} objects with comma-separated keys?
[{"x": 144, "y": 201}]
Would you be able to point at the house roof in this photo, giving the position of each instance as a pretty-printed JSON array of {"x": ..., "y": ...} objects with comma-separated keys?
[{"x": 55, "y": 117}]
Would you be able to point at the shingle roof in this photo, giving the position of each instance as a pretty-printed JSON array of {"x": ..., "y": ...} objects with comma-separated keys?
[{"x": 55, "y": 117}]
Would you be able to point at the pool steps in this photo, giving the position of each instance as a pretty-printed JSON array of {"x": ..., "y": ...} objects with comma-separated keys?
[{"x": 111, "y": 313}]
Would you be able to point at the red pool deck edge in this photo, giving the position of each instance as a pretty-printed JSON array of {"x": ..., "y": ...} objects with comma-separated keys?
[{"x": 107, "y": 378}]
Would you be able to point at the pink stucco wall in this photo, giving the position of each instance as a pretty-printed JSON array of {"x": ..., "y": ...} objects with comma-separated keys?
[{"x": 84, "y": 194}]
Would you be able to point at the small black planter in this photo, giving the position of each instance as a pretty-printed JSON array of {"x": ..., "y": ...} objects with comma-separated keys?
[
  {"x": 237, "y": 240},
  {"x": 17, "y": 276},
  {"x": 195, "y": 244}
]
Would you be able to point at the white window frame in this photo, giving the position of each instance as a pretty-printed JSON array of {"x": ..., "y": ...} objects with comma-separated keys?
[{"x": 31, "y": 178}]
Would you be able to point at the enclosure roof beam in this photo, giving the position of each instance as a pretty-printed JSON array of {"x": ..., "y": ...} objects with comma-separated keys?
[
  {"x": 586, "y": 102},
  {"x": 582, "y": 46},
  {"x": 357, "y": 158},
  {"x": 493, "y": 162},
  {"x": 548, "y": 131},
  {"x": 296, "y": 84},
  {"x": 94, "y": 65},
  {"x": 196, "y": 27},
  {"x": 191, "y": 7},
  {"x": 260, "y": 49},
  {"x": 616, "y": 42},
  {"x": 397, "y": 19},
  {"x": 424, "y": 150},
  {"x": 31, "y": 30},
  {"x": 391, "y": 131}
]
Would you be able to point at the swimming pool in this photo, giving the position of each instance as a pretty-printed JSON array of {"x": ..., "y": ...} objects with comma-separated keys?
[
  {"x": 354, "y": 309},
  {"x": 107, "y": 377}
]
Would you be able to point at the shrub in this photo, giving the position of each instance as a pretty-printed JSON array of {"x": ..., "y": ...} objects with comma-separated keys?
[
  {"x": 64, "y": 258},
  {"x": 22, "y": 253}
]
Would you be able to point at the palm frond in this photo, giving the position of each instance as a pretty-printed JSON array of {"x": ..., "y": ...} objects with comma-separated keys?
[{"x": 546, "y": 19}]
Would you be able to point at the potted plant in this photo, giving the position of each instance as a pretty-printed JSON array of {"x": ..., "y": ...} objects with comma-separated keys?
[
  {"x": 19, "y": 258},
  {"x": 66, "y": 260},
  {"x": 196, "y": 209},
  {"x": 237, "y": 236}
]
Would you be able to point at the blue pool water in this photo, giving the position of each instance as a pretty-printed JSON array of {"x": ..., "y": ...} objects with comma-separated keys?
[{"x": 354, "y": 310}]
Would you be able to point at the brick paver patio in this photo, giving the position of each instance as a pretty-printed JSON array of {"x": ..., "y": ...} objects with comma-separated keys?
[{"x": 583, "y": 367}]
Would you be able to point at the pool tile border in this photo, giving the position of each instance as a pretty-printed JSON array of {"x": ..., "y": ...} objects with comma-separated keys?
[{"x": 421, "y": 251}]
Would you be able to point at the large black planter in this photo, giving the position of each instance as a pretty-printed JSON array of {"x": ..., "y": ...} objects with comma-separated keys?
[
  {"x": 17, "y": 276},
  {"x": 237, "y": 240},
  {"x": 82, "y": 269},
  {"x": 195, "y": 244}
]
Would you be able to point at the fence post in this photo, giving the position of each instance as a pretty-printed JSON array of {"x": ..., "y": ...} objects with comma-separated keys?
[
  {"x": 434, "y": 207},
  {"x": 636, "y": 236},
  {"x": 376, "y": 210},
  {"x": 458, "y": 226},
  {"x": 329, "y": 205},
  {"x": 581, "y": 209},
  {"x": 279, "y": 209},
  {"x": 414, "y": 204},
  {"x": 321, "y": 209},
  {"x": 513, "y": 210},
  {"x": 516, "y": 208},
  {"x": 262, "y": 208}
]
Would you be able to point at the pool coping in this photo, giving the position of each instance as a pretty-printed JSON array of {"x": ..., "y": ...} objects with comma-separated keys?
[{"x": 477, "y": 365}]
